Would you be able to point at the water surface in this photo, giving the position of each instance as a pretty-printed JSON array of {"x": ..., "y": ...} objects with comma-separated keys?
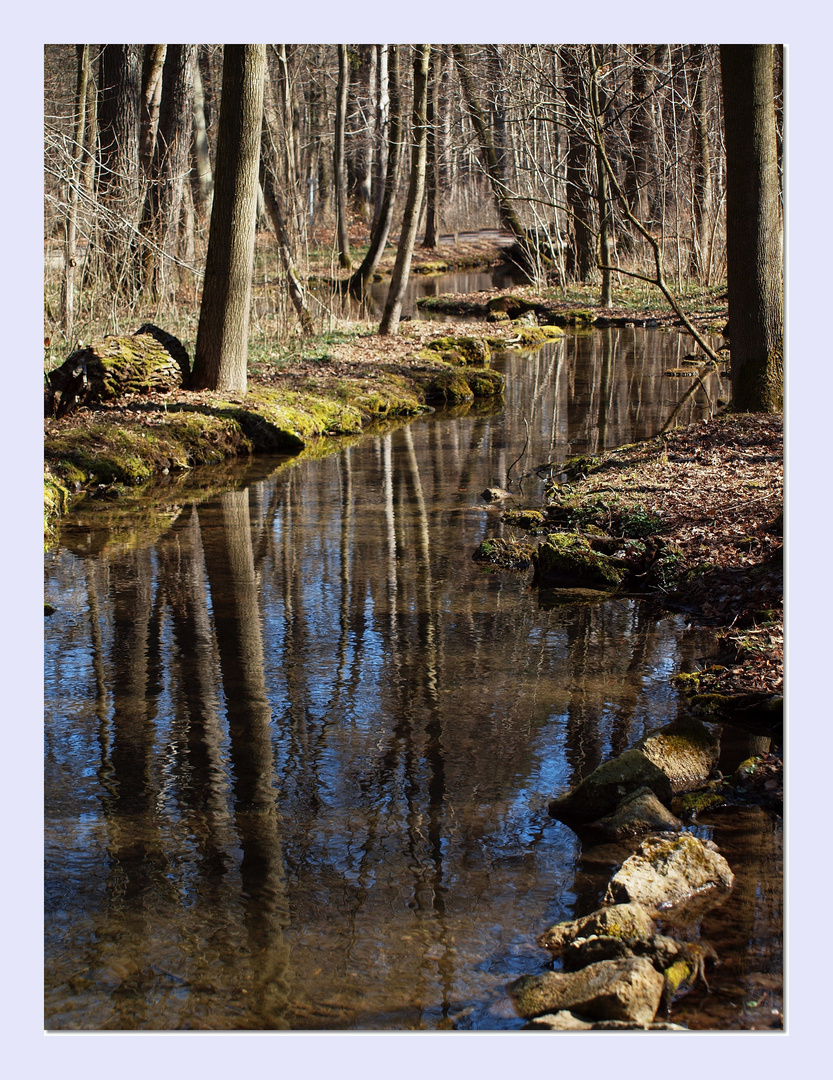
[{"x": 299, "y": 746}]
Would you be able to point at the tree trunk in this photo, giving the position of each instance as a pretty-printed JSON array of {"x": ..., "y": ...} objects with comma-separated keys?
[
  {"x": 203, "y": 184},
  {"x": 276, "y": 216},
  {"x": 339, "y": 172},
  {"x": 222, "y": 336},
  {"x": 430, "y": 238},
  {"x": 169, "y": 166},
  {"x": 152, "y": 66},
  {"x": 359, "y": 280},
  {"x": 753, "y": 226},
  {"x": 410, "y": 220},
  {"x": 382, "y": 132},
  {"x": 68, "y": 295},
  {"x": 702, "y": 193},
  {"x": 598, "y": 102},
  {"x": 119, "y": 102},
  {"x": 580, "y": 254}
]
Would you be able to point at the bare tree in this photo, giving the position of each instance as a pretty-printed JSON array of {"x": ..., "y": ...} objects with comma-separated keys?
[
  {"x": 416, "y": 186},
  {"x": 339, "y": 171}
]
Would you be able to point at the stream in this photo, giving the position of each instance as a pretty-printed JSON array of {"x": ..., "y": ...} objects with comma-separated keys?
[{"x": 299, "y": 746}]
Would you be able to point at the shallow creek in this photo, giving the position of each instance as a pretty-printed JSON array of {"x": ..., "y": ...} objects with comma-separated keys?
[{"x": 299, "y": 746}]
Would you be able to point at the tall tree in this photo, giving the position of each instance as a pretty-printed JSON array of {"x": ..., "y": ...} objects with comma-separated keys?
[
  {"x": 339, "y": 170},
  {"x": 753, "y": 227},
  {"x": 416, "y": 187},
  {"x": 76, "y": 156},
  {"x": 222, "y": 336}
]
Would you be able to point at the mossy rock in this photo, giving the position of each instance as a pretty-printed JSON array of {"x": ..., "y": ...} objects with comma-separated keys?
[
  {"x": 685, "y": 750},
  {"x": 603, "y": 790},
  {"x": 566, "y": 560},
  {"x": 580, "y": 319},
  {"x": 437, "y": 267},
  {"x": 507, "y": 554},
  {"x": 497, "y": 317},
  {"x": 462, "y": 350},
  {"x": 669, "y": 873},
  {"x": 531, "y": 520},
  {"x": 624, "y": 922},
  {"x": 539, "y": 335}
]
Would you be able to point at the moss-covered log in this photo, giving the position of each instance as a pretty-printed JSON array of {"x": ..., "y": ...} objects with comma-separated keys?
[{"x": 116, "y": 365}]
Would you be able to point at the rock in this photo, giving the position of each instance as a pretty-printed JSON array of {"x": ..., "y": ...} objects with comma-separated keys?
[
  {"x": 509, "y": 554},
  {"x": 668, "y": 872},
  {"x": 622, "y": 921},
  {"x": 602, "y": 791},
  {"x": 462, "y": 350},
  {"x": 569, "y": 1021},
  {"x": 628, "y": 990},
  {"x": 566, "y": 560},
  {"x": 495, "y": 494},
  {"x": 637, "y": 814},
  {"x": 685, "y": 750}
]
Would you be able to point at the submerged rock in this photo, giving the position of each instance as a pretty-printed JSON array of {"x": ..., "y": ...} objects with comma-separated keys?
[
  {"x": 570, "y": 1021},
  {"x": 602, "y": 791},
  {"x": 624, "y": 922},
  {"x": 685, "y": 750},
  {"x": 637, "y": 814},
  {"x": 669, "y": 872},
  {"x": 629, "y": 990}
]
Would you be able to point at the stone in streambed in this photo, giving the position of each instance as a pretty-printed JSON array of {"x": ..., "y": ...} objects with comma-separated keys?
[
  {"x": 637, "y": 814},
  {"x": 629, "y": 990},
  {"x": 625, "y": 922},
  {"x": 604, "y": 789},
  {"x": 669, "y": 872},
  {"x": 685, "y": 750}
]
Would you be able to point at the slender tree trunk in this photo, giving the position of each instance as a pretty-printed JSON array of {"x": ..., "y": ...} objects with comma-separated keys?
[
  {"x": 359, "y": 280},
  {"x": 276, "y": 216},
  {"x": 82, "y": 81},
  {"x": 430, "y": 238},
  {"x": 382, "y": 133},
  {"x": 222, "y": 336},
  {"x": 702, "y": 193},
  {"x": 598, "y": 102},
  {"x": 410, "y": 220},
  {"x": 169, "y": 166},
  {"x": 203, "y": 178},
  {"x": 753, "y": 226},
  {"x": 339, "y": 171},
  {"x": 154, "y": 61}
]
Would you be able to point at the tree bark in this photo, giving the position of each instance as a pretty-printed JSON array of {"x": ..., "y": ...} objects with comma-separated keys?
[
  {"x": 580, "y": 254},
  {"x": 753, "y": 226},
  {"x": 203, "y": 182},
  {"x": 222, "y": 336},
  {"x": 154, "y": 61},
  {"x": 702, "y": 193},
  {"x": 339, "y": 172},
  {"x": 598, "y": 102},
  {"x": 389, "y": 325}
]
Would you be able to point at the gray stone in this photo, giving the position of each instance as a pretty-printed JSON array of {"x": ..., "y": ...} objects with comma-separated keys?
[
  {"x": 685, "y": 750},
  {"x": 623, "y": 921},
  {"x": 667, "y": 872},
  {"x": 628, "y": 990},
  {"x": 603, "y": 790},
  {"x": 637, "y": 814}
]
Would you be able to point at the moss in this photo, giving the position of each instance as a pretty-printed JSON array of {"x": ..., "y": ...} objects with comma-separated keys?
[
  {"x": 677, "y": 974},
  {"x": 525, "y": 519},
  {"x": 695, "y": 802},
  {"x": 567, "y": 560},
  {"x": 437, "y": 267},
  {"x": 463, "y": 350},
  {"x": 538, "y": 335},
  {"x": 509, "y": 554},
  {"x": 686, "y": 680}
]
